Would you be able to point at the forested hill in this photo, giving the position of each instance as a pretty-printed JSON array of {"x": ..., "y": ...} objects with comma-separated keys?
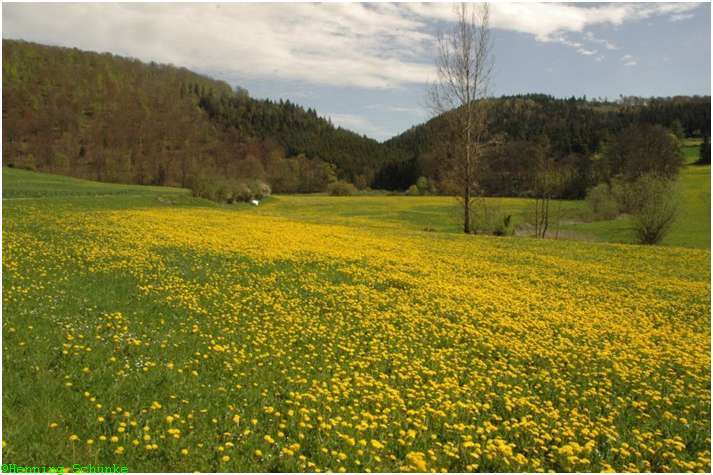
[
  {"x": 572, "y": 131},
  {"x": 110, "y": 118}
]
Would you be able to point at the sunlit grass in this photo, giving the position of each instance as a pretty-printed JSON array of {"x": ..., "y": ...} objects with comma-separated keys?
[{"x": 317, "y": 333}]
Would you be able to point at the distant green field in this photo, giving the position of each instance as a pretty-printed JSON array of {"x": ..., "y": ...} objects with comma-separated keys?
[
  {"x": 690, "y": 150},
  {"x": 419, "y": 213},
  {"x": 692, "y": 228},
  {"x": 443, "y": 213},
  {"x": 19, "y": 183}
]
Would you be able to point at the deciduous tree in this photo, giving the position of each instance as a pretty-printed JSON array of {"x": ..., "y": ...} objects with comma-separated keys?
[{"x": 464, "y": 63}]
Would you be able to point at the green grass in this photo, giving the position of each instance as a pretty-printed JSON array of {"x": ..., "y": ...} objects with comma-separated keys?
[
  {"x": 419, "y": 213},
  {"x": 436, "y": 213},
  {"x": 18, "y": 183},
  {"x": 129, "y": 307},
  {"x": 693, "y": 225},
  {"x": 692, "y": 228},
  {"x": 691, "y": 150}
]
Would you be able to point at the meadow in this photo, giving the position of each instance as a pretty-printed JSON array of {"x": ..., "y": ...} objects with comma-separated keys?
[
  {"x": 443, "y": 214},
  {"x": 144, "y": 327}
]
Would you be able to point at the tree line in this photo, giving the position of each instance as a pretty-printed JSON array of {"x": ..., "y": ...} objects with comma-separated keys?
[
  {"x": 545, "y": 148},
  {"x": 574, "y": 133},
  {"x": 108, "y": 118}
]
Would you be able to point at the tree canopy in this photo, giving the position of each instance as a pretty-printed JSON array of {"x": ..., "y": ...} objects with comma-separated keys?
[
  {"x": 115, "y": 119},
  {"x": 109, "y": 118}
]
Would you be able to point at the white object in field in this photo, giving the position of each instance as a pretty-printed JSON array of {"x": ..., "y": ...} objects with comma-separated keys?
[{"x": 254, "y": 202}]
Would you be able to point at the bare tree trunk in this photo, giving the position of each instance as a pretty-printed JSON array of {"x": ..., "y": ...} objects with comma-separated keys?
[
  {"x": 469, "y": 120},
  {"x": 466, "y": 210},
  {"x": 464, "y": 64},
  {"x": 546, "y": 216},
  {"x": 468, "y": 180},
  {"x": 559, "y": 219}
]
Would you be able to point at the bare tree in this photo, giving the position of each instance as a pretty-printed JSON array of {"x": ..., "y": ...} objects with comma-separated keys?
[
  {"x": 464, "y": 64},
  {"x": 548, "y": 182}
]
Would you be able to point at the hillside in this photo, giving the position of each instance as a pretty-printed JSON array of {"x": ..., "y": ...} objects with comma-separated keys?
[
  {"x": 572, "y": 131},
  {"x": 115, "y": 119}
]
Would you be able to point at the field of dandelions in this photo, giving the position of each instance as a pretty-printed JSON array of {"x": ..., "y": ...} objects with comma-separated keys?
[{"x": 172, "y": 336}]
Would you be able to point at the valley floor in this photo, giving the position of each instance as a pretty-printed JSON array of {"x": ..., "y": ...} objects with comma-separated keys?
[
  {"x": 443, "y": 213},
  {"x": 144, "y": 327}
]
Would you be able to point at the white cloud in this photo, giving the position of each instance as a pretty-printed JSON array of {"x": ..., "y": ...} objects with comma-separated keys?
[
  {"x": 400, "y": 109},
  {"x": 364, "y": 45},
  {"x": 336, "y": 44},
  {"x": 547, "y": 20},
  {"x": 607, "y": 44},
  {"x": 587, "y": 52},
  {"x": 361, "y": 123},
  {"x": 628, "y": 60}
]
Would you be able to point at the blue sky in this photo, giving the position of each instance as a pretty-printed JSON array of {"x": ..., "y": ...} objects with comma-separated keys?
[{"x": 366, "y": 65}]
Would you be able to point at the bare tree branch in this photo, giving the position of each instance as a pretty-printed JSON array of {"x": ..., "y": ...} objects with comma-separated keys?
[{"x": 464, "y": 65}]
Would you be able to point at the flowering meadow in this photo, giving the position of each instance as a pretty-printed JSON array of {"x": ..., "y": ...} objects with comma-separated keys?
[{"x": 175, "y": 336}]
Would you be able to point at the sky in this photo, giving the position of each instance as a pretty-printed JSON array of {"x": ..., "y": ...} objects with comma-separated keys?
[{"x": 367, "y": 65}]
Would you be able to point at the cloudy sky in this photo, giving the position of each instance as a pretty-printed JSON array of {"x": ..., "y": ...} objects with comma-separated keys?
[{"x": 366, "y": 65}]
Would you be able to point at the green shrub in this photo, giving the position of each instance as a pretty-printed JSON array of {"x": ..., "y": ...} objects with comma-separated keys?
[
  {"x": 488, "y": 218},
  {"x": 704, "y": 152},
  {"x": 341, "y": 188},
  {"x": 422, "y": 185},
  {"x": 413, "y": 190},
  {"x": 221, "y": 192},
  {"x": 240, "y": 192},
  {"x": 200, "y": 187},
  {"x": 655, "y": 206},
  {"x": 225, "y": 190},
  {"x": 259, "y": 190},
  {"x": 602, "y": 202},
  {"x": 504, "y": 226},
  {"x": 625, "y": 195}
]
